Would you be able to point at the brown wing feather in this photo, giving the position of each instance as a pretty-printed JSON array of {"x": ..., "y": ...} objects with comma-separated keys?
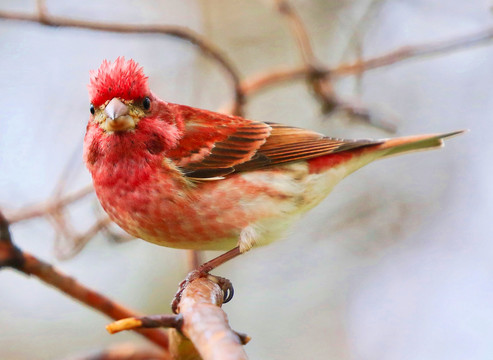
[
  {"x": 252, "y": 145},
  {"x": 235, "y": 150},
  {"x": 288, "y": 144}
]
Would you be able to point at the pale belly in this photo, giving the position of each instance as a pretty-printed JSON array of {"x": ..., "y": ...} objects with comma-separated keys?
[{"x": 249, "y": 209}]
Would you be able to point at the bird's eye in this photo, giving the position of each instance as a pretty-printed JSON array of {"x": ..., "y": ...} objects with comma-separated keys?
[
  {"x": 146, "y": 103},
  {"x": 91, "y": 109}
]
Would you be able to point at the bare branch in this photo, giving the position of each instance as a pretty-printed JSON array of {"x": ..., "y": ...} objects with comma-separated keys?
[
  {"x": 48, "y": 207},
  {"x": 205, "y": 46},
  {"x": 30, "y": 265},
  {"x": 123, "y": 351},
  {"x": 276, "y": 76},
  {"x": 151, "y": 321},
  {"x": 194, "y": 259},
  {"x": 298, "y": 29},
  {"x": 319, "y": 82},
  {"x": 77, "y": 241},
  {"x": 201, "y": 321},
  {"x": 415, "y": 51},
  {"x": 206, "y": 324}
]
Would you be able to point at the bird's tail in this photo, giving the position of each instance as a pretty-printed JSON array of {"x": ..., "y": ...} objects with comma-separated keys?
[{"x": 409, "y": 144}]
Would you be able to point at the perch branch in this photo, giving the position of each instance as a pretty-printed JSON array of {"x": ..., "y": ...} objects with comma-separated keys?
[
  {"x": 201, "y": 321},
  {"x": 206, "y": 324},
  {"x": 205, "y": 46}
]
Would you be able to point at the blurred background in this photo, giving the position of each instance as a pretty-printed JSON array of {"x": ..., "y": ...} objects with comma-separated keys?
[{"x": 395, "y": 264}]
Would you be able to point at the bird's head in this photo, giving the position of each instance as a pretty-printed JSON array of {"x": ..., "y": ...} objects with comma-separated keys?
[
  {"x": 120, "y": 95},
  {"x": 127, "y": 120}
]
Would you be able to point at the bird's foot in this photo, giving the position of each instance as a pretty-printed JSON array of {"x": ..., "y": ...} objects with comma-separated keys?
[{"x": 225, "y": 285}]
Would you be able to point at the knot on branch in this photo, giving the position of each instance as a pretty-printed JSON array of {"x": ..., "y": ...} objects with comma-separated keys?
[{"x": 10, "y": 255}]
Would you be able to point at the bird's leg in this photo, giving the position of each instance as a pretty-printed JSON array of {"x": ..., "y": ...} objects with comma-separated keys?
[
  {"x": 203, "y": 271},
  {"x": 219, "y": 260}
]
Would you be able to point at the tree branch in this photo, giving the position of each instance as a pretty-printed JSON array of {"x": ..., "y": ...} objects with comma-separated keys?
[
  {"x": 11, "y": 256},
  {"x": 273, "y": 77},
  {"x": 123, "y": 351},
  {"x": 415, "y": 51},
  {"x": 319, "y": 82},
  {"x": 204, "y": 325},
  {"x": 49, "y": 207},
  {"x": 205, "y": 46}
]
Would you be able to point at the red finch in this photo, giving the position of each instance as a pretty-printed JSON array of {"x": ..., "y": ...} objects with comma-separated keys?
[{"x": 189, "y": 178}]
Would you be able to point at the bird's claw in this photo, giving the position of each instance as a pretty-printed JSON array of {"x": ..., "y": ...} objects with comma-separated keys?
[
  {"x": 227, "y": 288},
  {"x": 225, "y": 285}
]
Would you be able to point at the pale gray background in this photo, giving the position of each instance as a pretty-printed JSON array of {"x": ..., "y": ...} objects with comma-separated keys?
[{"x": 396, "y": 264}]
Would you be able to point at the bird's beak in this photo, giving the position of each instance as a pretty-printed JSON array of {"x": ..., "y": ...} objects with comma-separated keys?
[{"x": 117, "y": 116}]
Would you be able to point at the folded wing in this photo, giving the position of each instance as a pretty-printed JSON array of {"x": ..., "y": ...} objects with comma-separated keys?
[{"x": 216, "y": 145}]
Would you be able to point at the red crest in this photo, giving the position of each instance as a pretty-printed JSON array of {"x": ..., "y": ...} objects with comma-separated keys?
[{"x": 122, "y": 79}]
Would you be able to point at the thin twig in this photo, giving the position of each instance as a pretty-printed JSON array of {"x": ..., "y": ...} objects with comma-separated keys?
[
  {"x": 48, "y": 207},
  {"x": 299, "y": 30},
  {"x": 319, "y": 82},
  {"x": 77, "y": 241},
  {"x": 150, "y": 321},
  {"x": 415, "y": 51},
  {"x": 193, "y": 259},
  {"x": 125, "y": 351},
  {"x": 206, "y": 47},
  {"x": 276, "y": 76}
]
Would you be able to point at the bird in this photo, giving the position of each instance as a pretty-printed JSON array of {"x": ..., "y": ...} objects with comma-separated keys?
[{"x": 189, "y": 178}]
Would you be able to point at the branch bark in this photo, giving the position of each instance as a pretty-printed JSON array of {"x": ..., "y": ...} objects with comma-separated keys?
[
  {"x": 206, "y": 324},
  {"x": 200, "y": 330}
]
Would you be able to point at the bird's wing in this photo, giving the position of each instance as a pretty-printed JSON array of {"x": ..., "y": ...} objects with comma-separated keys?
[{"x": 215, "y": 145}]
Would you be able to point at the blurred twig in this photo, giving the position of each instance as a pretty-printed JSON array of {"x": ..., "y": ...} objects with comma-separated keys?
[
  {"x": 49, "y": 207},
  {"x": 320, "y": 82},
  {"x": 205, "y": 46},
  {"x": 11, "y": 256},
  {"x": 274, "y": 77},
  {"x": 54, "y": 211},
  {"x": 355, "y": 41},
  {"x": 194, "y": 259},
  {"x": 320, "y": 79},
  {"x": 415, "y": 51},
  {"x": 123, "y": 351}
]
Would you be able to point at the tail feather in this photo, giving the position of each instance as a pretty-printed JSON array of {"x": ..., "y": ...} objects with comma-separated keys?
[{"x": 410, "y": 144}]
